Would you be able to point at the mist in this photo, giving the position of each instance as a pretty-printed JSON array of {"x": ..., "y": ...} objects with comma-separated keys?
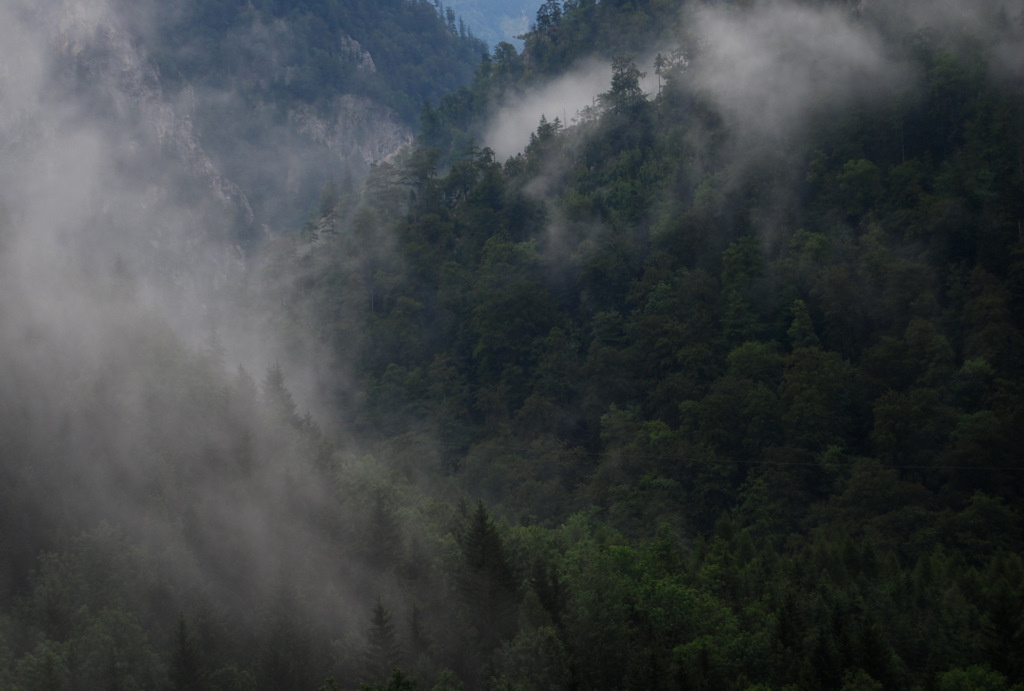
[
  {"x": 508, "y": 131},
  {"x": 136, "y": 370},
  {"x": 172, "y": 400},
  {"x": 771, "y": 72},
  {"x": 770, "y": 69}
]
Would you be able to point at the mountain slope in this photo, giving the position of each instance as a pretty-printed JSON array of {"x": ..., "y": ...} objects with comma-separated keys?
[
  {"x": 272, "y": 93},
  {"x": 738, "y": 350},
  {"x": 732, "y": 358}
]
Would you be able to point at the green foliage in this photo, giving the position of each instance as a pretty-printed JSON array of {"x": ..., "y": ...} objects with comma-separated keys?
[
  {"x": 975, "y": 678},
  {"x": 730, "y": 434},
  {"x": 186, "y": 665},
  {"x": 383, "y": 653},
  {"x": 397, "y": 682},
  {"x": 783, "y": 434},
  {"x": 486, "y": 580}
]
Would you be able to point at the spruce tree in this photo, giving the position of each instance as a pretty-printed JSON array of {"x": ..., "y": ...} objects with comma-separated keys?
[
  {"x": 383, "y": 652},
  {"x": 186, "y": 671}
]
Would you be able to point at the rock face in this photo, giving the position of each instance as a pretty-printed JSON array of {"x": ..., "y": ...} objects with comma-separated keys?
[
  {"x": 108, "y": 70},
  {"x": 110, "y": 166},
  {"x": 356, "y": 54},
  {"x": 357, "y": 127}
]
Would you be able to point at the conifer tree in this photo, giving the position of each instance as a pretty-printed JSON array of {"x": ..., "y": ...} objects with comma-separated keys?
[
  {"x": 186, "y": 673},
  {"x": 801, "y": 331},
  {"x": 277, "y": 396},
  {"x": 487, "y": 581},
  {"x": 383, "y": 652}
]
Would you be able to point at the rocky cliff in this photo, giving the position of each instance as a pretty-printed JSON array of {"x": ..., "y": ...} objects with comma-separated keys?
[{"x": 262, "y": 167}]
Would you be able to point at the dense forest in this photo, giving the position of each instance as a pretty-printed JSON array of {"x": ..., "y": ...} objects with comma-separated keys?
[{"x": 717, "y": 385}]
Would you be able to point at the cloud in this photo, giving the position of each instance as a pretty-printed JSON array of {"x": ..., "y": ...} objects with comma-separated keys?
[
  {"x": 771, "y": 67},
  {"x": 113, "y": 257},
  {"x": 22, "y": 65},
  {"x": 508, "y": 131}
]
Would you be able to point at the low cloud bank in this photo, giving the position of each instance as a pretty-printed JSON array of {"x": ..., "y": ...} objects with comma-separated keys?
[
  {"x": 770, "y": 68},
  {"x": 509, "y": 130}
]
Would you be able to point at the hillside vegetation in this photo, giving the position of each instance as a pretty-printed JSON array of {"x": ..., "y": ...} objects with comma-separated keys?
[{"x": 717, "y": 385}]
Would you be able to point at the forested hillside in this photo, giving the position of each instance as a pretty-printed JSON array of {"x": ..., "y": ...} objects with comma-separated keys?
[
  {"x": 716, "y": 385},
  {"x": 284, "y": 95}
]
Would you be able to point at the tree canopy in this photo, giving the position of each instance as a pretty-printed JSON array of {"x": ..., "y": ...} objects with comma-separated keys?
[{"x": 670, "y": 399}]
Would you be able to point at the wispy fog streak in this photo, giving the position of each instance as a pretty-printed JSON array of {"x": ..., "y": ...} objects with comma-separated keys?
[
  {"x": 509, "y": 130},
  {"x": 772, "y": 67}
]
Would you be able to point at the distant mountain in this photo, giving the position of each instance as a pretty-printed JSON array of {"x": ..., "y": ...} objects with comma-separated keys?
[
  {"x": 260, "y": 102},
  {"x": 495, "y": 21},
  {"x": 206, "y": 121},
  {"x": 285, "y": 96}
]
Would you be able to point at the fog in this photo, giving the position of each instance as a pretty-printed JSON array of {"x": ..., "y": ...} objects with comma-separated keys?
[
  {"x": 136, "y": 326},
  {"x": 131, "y": 355},
  {"x": 775, "y": 72},
  {"x": 508, "y": 131},
  {"x": 568, "y": 98},
  {"x": 770, "y": 69}
]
